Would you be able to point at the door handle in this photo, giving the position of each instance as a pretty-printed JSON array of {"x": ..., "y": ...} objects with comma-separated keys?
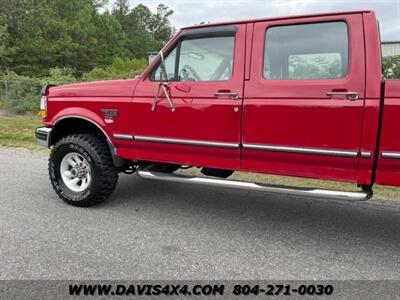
[
  {"x": 231, "y": 95},
  {"x": 349, "y": 95}
]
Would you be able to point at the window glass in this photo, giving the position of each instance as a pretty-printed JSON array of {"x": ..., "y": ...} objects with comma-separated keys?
[
  {"x": 305, "y": 51},
  {"x": 206, "y": 59},
  {"x": 169, "y": 66}
]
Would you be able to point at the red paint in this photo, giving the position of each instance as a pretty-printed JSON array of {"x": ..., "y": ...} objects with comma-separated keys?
[
  {"x": 198, "y": 115},
  {"x": 298, "y": 113},
  {"x": 388, "y": 169},
  {"x": 294, "y": 113},
  {"x": 87, "y": 99},
  {"x": 369, "y": 134},
  {"x": 105, "y": 88}
]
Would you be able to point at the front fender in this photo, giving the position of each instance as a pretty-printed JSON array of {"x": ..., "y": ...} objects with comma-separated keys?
[
  {"x": 92, "y": 117},
  {"x": 87, "y": 115},
  {"x": 79, "y": 112}
]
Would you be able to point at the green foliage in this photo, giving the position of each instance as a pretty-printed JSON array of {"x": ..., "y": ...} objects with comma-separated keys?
[
  {"x": 121, "y": 9},
  {"x": 120, "y": 68},
  {"x": 3, "y": 39},
  {"x": 20, "y": 94},
  {"x": 59, "y": 41},
  {"x": 59, "y": 76},
  {"x": 391, "y": 66},
  {"x": 81, "y": 35},
  {"x": 5, "y": 48},
  {"x": 62, "y": 33},
  {"x": 315, "y": 66},
  {"x": 145, "y": 31}
]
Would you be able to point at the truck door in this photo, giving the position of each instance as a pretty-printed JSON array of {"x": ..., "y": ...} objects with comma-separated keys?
[
  {"x": 304, "y": 101},
  {"x": 201, "y": 125}
]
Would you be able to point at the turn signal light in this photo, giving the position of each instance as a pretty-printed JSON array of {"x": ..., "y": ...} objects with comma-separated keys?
[
  {"x": 43, "y": 107},
  {"x": 42, "y": 113}
]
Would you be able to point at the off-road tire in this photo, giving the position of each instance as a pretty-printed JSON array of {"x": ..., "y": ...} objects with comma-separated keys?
[{"x": 104, "y": 174}]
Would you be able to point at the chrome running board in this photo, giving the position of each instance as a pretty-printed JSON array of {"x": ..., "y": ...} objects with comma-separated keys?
[{"x": 269, "y": 188}]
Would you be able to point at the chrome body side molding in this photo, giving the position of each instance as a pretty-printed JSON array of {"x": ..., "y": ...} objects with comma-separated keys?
[
  {"x": 269, "y": 188},
  {"x": 390, "y": 154},
  {"x": 365, "y": 154},
  {"x": 301, "y": 150},
  {"x": 185, "y": 141},
  {"x": 123, "y": 136},
  {"x": 320, "y": 151}
]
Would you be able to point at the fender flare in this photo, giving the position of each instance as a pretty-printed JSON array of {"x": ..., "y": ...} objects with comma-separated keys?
[{"x": 93, "y": 118}]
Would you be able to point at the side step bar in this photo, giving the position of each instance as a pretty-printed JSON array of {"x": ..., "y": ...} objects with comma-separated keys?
[{"x": 269, "y": 188}]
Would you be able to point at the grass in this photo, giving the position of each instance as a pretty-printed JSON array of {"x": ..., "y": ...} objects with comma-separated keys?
[
  {"x": 380, "y": 191},
  {"x": 18, "y": 131}
]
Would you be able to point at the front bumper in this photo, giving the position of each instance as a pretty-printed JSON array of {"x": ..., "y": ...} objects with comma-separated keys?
[{"x": 43, "y": 135}]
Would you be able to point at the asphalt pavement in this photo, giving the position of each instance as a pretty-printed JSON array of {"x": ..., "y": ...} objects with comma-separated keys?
[{"x": 157, "y": 230}]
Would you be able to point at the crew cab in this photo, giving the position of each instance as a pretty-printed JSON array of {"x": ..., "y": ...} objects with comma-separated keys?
[{"x": 298, "y": 96}]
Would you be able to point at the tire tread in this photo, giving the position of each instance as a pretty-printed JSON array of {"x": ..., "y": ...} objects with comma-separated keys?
[{"x": 106, "y": 172}]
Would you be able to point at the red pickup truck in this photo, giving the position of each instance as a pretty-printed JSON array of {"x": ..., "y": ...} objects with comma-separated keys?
[{"x": 299, "y": 96}]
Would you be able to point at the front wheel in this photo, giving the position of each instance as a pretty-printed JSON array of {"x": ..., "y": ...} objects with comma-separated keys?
[{"x": 81, "y": 170}]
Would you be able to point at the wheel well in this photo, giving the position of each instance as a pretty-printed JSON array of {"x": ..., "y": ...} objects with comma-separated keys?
[{"x": 73, "y": 126}]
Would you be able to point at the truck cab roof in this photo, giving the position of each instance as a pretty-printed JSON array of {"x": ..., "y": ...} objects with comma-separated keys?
[{"x": 321, "y": 14}]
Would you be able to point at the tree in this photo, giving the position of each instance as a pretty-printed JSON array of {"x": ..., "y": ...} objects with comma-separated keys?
[
  {"x": 391, "y": 66},
  {"x": 98, "y": 3},
  {"x": 3, "y": 42},
  {"x": 120, "y": 9},
  {"x": 145, "y": 31},
  {"x": 160, "y": 26},
  {"x": 58, "y": 33},
  {"x": 36, "y": 36},
  {"x": 314, "y": 66}
]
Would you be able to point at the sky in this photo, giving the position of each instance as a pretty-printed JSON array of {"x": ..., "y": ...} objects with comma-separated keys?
[{"x": 188, "y": 12}]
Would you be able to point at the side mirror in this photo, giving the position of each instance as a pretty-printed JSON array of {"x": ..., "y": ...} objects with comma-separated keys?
[{"x": 163, "y": 86}]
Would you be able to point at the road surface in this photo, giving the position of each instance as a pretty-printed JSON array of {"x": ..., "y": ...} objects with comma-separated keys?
[{"x": 156, "y": 230}]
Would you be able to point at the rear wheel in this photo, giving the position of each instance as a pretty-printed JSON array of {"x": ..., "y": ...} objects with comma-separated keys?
[{"x": 81, "y": 170}]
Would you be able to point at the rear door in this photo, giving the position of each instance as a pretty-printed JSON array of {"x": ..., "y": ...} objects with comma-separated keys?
[
  {"x": 205, "y": 70},
  {"x": 304, "y": 101}
]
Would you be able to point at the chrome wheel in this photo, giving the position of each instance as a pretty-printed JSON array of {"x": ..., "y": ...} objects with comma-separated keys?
[{"x": 75, "y": 172}]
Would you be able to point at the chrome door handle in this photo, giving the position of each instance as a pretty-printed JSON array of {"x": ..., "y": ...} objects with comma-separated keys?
[
  {"x": 349, "y": 95},
  {"x": 231, "y": 95}
]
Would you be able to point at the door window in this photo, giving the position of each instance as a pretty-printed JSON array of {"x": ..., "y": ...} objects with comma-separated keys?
[
  {"x": 306, "y": 51},
  {"x": 169, "y": 67},
  {"x": 200, "y": 59},
  {"x": 206, "y": 59}
]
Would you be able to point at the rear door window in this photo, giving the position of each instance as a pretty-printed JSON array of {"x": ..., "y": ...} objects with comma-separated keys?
[{"x": 306, "y": 51}]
